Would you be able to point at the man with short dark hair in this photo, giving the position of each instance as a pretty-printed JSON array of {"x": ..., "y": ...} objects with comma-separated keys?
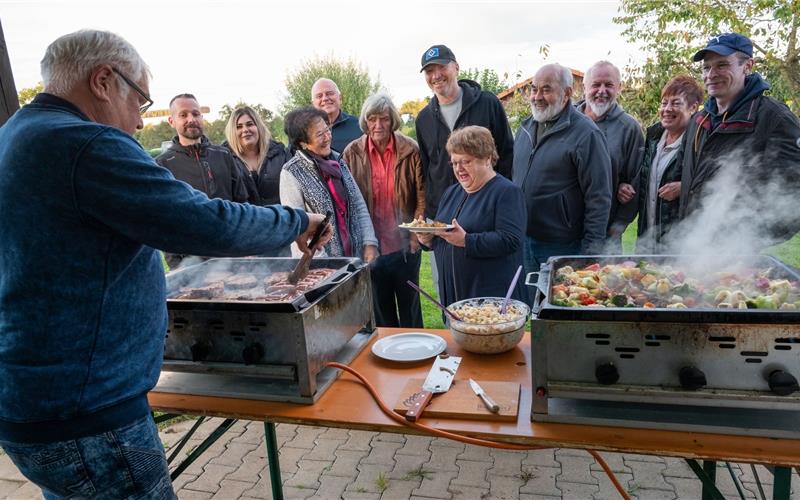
[
  {"x": 455, "y": 104},
  {"x": 325, "y": 95},
  {"x": 82, "y": 296},
  {"x": 194, "y": 160},
  {"x": 601, "y": 87},
  {"x": 740, "y": 127},
  {"x": 562, "y": 165}
]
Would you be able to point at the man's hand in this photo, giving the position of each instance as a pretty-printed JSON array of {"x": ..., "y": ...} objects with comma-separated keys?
[
  {"x": 314, "y": 220},
  {"x": 625, "y": 192},
  {"x": 670, "y": 191},
  {"x": 456, "y": 236},
  {"x": 370, "y": 253},
  {"x": 425, "y": 238}
]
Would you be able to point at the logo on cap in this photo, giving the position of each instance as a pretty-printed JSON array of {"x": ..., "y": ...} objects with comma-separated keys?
[{"x": 434, "y": 52}]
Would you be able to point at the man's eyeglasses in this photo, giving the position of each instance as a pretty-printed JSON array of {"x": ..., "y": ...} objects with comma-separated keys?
[{"x": 148, "y": 102}]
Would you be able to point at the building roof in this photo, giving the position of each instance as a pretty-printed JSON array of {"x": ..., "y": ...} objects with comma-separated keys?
[{"x": 524, "y": 83}]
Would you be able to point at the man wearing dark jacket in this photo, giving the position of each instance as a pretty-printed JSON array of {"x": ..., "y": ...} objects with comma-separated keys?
[
  {"x": 561, "y": 162},
  {"x": 739, "y": 127},
  {"x": 455, "y": 104},
  {"x": 194, "y": 160},
  {"x": 601, "y": 86},
  {"x": 326, "y": 96}
]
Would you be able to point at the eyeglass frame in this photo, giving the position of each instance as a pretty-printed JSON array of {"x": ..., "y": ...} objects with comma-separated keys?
[{"x": 144, "y": 107}]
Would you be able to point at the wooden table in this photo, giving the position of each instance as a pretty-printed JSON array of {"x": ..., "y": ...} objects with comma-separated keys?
[{"x": 348, "y": 404}]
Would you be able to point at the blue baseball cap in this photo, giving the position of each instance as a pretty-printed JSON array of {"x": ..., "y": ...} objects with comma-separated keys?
[
  {"x": 438, "y": 54},
  {"x": 726, "y": 44}
]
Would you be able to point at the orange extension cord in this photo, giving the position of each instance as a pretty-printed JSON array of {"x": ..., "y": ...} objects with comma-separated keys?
[{"x": 466, "y": 439}]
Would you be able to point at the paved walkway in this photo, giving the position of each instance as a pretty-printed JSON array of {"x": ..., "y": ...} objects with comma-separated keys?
[{"x": 326, "y": 463}]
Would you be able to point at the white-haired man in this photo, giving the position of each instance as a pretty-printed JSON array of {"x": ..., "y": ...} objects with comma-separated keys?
[
  {"x": 562, "y": 165},
  {"x": 625, "y": 141},
  {"x": 325, "y": 95},
  {"x": 82, "y": 300}
]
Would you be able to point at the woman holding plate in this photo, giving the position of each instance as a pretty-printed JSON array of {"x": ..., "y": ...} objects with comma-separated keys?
[{"x": 479, "y": 256}]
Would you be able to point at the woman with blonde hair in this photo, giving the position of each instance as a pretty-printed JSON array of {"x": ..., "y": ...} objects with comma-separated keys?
[{"x": 250, "y": 141}]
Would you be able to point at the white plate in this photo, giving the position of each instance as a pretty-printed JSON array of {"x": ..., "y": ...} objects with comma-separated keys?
[
  {"x": 412, "y": 346},
  {"x": 427, "y": 229}
]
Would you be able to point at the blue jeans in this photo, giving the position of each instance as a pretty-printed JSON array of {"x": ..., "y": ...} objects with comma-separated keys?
[
  {"x": 128, "y": 462},
  {"x": 536, "y": 252}
]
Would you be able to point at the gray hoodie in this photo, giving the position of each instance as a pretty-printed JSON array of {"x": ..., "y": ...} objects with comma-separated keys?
[
  {"x": 566, "y": 179},
  {"x": 625, "y": 142}
]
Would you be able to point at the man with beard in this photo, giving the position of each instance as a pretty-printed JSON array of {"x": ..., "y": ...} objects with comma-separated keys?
[
  {"x": 455, "y": 104},
  {"x": 741, "y": 128},
  {"x": 325, "y": 96},
  {"x": 194, "y": 160},
  {"x": 625, "y": 141},
  {"x": 561, "y": 162}
]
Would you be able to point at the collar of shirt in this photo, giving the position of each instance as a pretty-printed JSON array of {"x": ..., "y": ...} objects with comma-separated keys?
[{"x": 372, "y": 149}]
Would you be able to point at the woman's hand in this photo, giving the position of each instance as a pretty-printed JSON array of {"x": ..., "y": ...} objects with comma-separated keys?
[
  {"x": 456, "y": 236},
  {"x": 370, "y": 253},
  {"x": 670, "y": 191},
  {"x": 425, "y": 238},
  {"x": 625, "y": 192}
]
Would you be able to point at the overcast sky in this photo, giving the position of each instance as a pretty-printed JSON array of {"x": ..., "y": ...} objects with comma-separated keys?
[{"x": 224, "y": 52}]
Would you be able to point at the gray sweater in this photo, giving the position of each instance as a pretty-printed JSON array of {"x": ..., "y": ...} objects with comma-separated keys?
[
  {"x": 625, "y": 142},
  {"x": 566, "y": 179}
]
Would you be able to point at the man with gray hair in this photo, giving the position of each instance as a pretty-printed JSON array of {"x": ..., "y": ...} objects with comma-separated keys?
[
  {"x": 561, "y": 163},
  {"x": 82, "y": 299},
  {"x": 625, "y": 141},
  {"x": 325, "y": 95},
  {"x": 387, "y": 168}
]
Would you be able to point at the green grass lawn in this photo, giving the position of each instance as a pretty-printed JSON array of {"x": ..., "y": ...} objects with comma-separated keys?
[{"x": 788, "y": 252}]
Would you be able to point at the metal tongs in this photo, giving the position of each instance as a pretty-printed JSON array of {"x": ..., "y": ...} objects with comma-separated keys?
[{"x": 301, "y": 270}]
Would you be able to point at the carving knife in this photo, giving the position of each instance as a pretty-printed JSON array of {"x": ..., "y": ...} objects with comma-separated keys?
[
  {"x": 439, "y": 379},
  {"x": 487, "y": 401}
]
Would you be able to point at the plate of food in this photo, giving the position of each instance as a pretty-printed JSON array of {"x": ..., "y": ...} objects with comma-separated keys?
[{"x": 420, "y": 225}]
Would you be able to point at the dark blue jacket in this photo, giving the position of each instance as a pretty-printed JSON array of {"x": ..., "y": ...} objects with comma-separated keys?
[
  {"x": 82, "y": 291},
  {"x": 566, "y": 178},
  {"x": 494, "y": 219},
  {"x": 344, "y": 131}
]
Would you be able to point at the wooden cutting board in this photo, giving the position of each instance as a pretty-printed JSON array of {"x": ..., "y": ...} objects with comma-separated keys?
[{"x": 461, "y": 402}]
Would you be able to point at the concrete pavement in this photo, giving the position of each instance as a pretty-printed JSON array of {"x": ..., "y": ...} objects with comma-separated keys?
[{"x": 328, "y": 463}]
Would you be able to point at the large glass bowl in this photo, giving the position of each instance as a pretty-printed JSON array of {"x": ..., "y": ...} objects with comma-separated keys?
[{"x": 482, "y": 329}]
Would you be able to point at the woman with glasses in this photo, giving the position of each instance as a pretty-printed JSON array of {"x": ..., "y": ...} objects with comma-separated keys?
[
  {"x": 250, "y": 141},
  {"x": 481, "y": 254},
  {"x": 318, "y": 180},
  {"x": 660, "y": 179}
]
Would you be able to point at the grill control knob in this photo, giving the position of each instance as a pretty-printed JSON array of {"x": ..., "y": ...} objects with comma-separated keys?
[
  {"x": 200, "y": 351},
  {"x": 692, "y": 378},
  {"x": 252, "y": 354},
  {"x": 782, "y": 383},
  {"x": 606, "y": 373}
]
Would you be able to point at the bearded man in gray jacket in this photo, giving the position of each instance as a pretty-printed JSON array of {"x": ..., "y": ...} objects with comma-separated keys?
[
  {"x": 561, "y": 162},
  {"x": 601, "y": 86}
]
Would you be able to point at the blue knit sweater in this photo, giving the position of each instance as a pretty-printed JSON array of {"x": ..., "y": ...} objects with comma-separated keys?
[{"x": 82, "y": 292}]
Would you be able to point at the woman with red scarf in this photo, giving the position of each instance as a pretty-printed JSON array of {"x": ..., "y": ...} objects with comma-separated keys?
[{"x": 317, "y": 179}]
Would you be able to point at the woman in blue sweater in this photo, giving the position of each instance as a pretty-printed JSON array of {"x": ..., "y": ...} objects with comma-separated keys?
[{"x": 479, "y": 256}]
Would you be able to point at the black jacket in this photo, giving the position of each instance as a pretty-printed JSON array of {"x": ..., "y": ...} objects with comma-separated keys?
[
  {"x": 207, "y": 168},
  {"x": 760, "y": 137},
  {"x": 478, "y": 107},
  {"x": 263, "y": 185}
]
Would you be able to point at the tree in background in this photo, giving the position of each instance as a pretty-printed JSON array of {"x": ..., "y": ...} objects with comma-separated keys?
[
  {"x": 353, "y": 81},
  {"x": 517, "y": 109},
  {"x": 26, "y": 95},
  {"x": 151, "y": 136},
  {"x": 487, "y": 79},
  {"x": 671, "y": 32}
]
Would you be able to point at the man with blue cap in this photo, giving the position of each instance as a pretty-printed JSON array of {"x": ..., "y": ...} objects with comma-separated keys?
[{"x": 740, "y": 127}]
